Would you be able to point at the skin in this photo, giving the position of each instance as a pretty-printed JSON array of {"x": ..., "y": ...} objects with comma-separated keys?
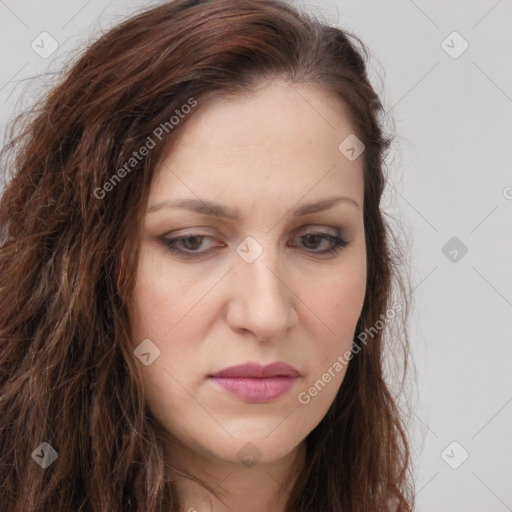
[{"x": 265, "y": 154}]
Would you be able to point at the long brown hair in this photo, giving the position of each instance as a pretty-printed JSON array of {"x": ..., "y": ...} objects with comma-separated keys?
[{"x": 71, "y": 221}]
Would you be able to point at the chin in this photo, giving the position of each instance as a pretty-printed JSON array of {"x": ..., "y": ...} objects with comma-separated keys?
[{"x": 251, "y": 450}]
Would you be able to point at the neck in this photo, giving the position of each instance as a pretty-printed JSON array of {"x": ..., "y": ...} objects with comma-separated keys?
[{"x": 257, "y": 488}]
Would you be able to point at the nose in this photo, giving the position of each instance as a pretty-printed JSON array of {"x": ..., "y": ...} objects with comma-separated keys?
[{"x": 262, "y": 301}]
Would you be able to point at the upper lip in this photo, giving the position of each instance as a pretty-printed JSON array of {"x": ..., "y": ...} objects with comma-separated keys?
[{"x": 277, "y": 369}]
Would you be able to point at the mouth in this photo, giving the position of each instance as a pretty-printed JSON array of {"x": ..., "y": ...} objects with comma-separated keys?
[{"x": 255, "y": 383}]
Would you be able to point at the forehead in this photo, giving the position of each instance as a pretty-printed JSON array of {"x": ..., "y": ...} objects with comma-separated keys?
[{"x": 279, "y": 143}]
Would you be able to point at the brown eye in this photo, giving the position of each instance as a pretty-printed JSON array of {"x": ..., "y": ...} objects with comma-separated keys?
[
  {"x": 186, "y": 245},
  {"x": 189, "y": 245},
  {"x": 314, "y": 239}
]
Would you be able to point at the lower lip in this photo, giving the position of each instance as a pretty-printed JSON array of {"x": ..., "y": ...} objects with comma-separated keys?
[{"x": 257, "y": 390}]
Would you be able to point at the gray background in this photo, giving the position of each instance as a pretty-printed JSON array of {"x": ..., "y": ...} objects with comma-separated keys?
[{"x": 450, "y": 177}]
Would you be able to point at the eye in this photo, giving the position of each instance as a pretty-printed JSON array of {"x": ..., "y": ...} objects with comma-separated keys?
[
  {"x": 188, "y": 245},
  {"x": 196, "y": 241},
  {"x": 336, "y": 242}
]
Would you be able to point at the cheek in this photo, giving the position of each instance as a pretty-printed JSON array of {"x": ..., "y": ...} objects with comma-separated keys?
[
  {"x": 163, "y": 299},
  {"x": 167, "y": 310},
  {"x": 337, "y": 306},
  {"x": 162, "y": 311},
  {"x": 338, "y": 299}
]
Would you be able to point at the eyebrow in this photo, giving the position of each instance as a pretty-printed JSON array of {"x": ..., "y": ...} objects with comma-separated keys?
[{"x": 209, "y": 208}]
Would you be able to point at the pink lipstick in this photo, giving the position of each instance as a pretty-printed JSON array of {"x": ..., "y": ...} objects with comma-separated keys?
[{"x": 253, "y": 382}]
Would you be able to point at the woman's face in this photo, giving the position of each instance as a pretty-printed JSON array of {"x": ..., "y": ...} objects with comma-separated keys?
[{"x": 254, "y": 288}]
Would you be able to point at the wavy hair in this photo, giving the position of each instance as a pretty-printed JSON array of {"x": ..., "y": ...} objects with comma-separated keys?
[{"x": 69, "y": 253}]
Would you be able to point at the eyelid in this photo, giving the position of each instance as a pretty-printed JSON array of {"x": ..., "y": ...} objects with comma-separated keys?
[
  {"x": 202, "y": 231},
  {"x": 337, "y": 242}
]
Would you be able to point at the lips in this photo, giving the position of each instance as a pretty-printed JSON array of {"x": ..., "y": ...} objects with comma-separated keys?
[
  {"x": 255, "y": 383},
  {"x": 255, "y": 370}
]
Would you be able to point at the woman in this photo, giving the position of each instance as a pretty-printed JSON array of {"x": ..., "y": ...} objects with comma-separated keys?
[{"x": 195, "y": 275}]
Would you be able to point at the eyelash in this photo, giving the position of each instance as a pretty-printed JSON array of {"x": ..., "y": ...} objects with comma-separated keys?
[{"x": 169, "y": 243}]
